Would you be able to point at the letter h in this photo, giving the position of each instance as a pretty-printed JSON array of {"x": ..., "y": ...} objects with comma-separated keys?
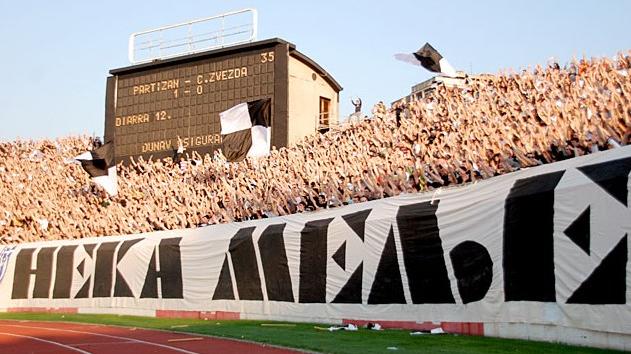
[{"x": 43, "y": 273}]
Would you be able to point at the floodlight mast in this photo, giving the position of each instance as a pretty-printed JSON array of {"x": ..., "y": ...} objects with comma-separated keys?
[{"x": 249, "y": 29}]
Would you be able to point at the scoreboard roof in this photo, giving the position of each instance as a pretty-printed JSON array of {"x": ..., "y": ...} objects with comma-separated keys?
[{"x": 227, "y": 51}]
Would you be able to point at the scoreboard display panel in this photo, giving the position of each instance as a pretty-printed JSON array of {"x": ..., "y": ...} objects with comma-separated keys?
[{"x": 150, "y": 107}]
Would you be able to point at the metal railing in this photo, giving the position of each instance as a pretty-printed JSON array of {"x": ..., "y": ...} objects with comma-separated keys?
[
  {"x": 322, "y": 121},
  {"x": 217, "y": 31},
  {"x": 323, "y": 118}
]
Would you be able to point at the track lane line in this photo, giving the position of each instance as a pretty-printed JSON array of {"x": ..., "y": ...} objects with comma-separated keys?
[
  {"x": 100, "y": 343},
  {"x": 46, "y": 341},
  {"x": 107, "y": 336}
]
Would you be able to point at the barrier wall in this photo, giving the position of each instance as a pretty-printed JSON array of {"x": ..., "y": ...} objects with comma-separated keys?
[{"x": 541, "y": 254}]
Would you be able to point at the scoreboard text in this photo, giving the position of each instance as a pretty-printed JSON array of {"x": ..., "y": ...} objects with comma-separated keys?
[{"x": 155, "y": 107}]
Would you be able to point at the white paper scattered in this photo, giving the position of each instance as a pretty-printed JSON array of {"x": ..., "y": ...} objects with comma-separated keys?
[{"x": 437, "y": 331}]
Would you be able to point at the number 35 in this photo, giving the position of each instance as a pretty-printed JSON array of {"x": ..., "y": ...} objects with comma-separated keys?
[{"x": 267, "y": 57}]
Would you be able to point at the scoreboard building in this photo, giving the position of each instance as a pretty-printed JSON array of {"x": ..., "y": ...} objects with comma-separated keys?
[{"x": 149, "y": 106}]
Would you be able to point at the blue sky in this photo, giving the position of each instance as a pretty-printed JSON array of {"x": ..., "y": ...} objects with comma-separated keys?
[{"x": 55, "y": 55}]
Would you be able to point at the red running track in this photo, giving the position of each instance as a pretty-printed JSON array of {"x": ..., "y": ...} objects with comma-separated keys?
[{"x": 20, "y": 337}]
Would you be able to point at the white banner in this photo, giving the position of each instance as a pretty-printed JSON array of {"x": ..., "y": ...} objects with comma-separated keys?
[{"x": 546, "y": 245}]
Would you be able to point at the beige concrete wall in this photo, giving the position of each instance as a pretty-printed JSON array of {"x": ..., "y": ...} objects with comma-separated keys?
[{"x": 304, "y": 100}]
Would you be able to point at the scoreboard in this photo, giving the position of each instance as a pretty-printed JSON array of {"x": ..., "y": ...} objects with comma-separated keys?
[{"x": 150, "y": 106}]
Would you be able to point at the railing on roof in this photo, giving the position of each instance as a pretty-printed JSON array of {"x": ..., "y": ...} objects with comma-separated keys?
[{"x": 231, "y": 28}]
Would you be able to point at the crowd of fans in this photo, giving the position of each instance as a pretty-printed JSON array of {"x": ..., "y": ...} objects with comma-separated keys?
[{"x": 496, "y": 124}]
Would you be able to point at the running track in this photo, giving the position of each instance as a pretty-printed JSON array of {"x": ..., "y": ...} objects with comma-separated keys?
[{"x": 21, "y": 337}]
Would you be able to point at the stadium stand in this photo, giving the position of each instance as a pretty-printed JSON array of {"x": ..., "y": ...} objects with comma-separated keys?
[{"x": 498, "y": 124}]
